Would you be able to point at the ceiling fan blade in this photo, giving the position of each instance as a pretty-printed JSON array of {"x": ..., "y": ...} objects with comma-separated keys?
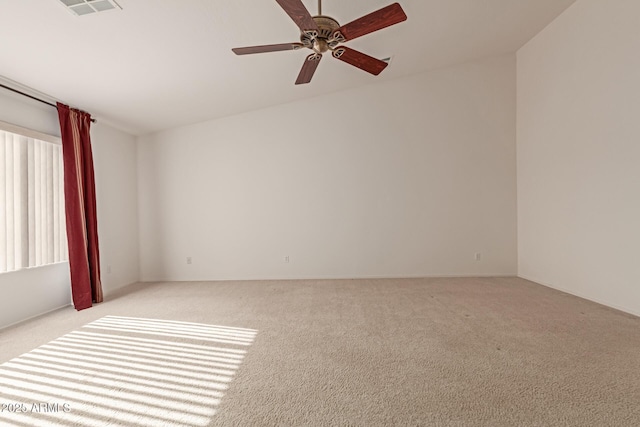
[
  {"x": 383, "y": 18},
  {"x": 308, "y": 68},
  {"x": 266, "y": 48},
  {"x": 360, "y": 60},
  {"x": 300, "y": 15}
]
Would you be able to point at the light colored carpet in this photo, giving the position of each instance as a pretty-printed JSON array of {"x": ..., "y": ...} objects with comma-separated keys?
[{"x": 432, "y": 352}]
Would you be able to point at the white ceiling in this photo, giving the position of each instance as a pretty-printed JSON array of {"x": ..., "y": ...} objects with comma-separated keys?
[{"x": 158, "y": 64}]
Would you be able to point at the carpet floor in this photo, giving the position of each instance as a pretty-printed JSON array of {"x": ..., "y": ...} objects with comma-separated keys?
[{"x": 406, "y": 352}]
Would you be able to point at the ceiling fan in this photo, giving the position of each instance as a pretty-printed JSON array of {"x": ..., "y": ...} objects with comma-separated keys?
[{"x": 322, "y": 34}]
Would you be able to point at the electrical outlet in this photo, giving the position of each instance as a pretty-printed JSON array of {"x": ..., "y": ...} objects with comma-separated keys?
[
  {"x": 286, "y": 259},
  {"x": 478, "y": 256},
  {"x": 188, "y": 260},
  {"x": 108, "y": 269}
]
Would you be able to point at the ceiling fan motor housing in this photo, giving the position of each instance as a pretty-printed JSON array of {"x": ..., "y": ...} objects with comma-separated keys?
[{"x": 321, "y": 40}]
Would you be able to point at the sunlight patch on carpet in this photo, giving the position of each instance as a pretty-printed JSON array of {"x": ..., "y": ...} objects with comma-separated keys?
[{"x": 124, "y": 371}]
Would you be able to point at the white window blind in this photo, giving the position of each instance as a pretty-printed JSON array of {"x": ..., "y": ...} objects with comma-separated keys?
[{"x": 32, "y": 219}]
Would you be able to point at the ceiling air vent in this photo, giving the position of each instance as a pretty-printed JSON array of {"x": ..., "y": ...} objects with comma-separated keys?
[{"x": 86, "y": 7}]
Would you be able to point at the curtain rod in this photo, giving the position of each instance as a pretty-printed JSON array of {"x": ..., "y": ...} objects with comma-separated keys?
[{"x": 33, "y": 97}]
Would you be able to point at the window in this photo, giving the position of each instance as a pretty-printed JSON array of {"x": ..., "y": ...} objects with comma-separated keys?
[{"x": 32, "y": 219}]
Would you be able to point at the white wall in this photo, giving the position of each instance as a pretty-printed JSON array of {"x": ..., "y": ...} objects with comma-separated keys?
[
  {"x": 30, "y": 292},
  {"x": 115, "y": 164},
  {"x": 403, "y": 178},
  {"x": 579, "y": 154},
  {"x": 21, "y": 111}
]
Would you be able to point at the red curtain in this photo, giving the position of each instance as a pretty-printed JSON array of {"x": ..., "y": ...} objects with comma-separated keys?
[{"x": 80, "y": 205}]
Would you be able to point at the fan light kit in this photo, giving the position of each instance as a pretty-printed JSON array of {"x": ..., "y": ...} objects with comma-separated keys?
[{"x": 322, "y": 34}]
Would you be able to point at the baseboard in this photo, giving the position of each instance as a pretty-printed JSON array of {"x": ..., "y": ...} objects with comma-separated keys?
[
  {"x": 34, "y": 316},
  {"x": 268, "y": 278},
  {"x": 108, "y": 292},
  {"x": 581, "y": 295}
]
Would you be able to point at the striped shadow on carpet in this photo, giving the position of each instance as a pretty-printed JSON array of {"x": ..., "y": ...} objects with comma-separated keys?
[{"x": 124, "y": 371}]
